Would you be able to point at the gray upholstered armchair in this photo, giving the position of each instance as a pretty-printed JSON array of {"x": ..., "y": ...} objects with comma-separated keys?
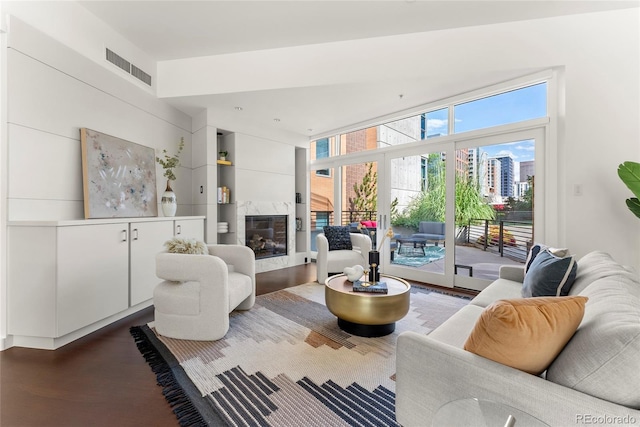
[
  {"x": 335, "y": 261},
  {"x": 200, "y": 291}
]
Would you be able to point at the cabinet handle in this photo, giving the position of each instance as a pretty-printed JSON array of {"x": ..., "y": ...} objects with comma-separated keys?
[
  {"x": 179, "y": 229},
  {"x": 124, "y": 235},
  {"x": 135, "y": 234}
]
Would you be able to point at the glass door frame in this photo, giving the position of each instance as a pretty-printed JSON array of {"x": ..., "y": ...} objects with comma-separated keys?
[{"x": 546, "y": 219}]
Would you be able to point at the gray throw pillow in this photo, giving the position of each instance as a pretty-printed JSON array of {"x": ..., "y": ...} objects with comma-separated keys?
[
  {"x": 549, "y": 275},
  {"x": 338, "y": 237}
]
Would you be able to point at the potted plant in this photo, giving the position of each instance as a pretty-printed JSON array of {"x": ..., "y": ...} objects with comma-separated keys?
[
  {"x": 169, "y": 163},
  {"x": 629, "y": 173},
  {"x": 222, "y": 155}
]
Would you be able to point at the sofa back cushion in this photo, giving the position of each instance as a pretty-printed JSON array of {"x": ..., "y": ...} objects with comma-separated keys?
[
  {"x": 428, "y": 227},
  {"x": 602, "y": 359}
]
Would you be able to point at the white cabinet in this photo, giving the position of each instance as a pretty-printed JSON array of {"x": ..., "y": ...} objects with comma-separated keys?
[
  {"x": 92, "y": 278},
  {"x": 147, "y": 239},
  {"x": 189, "y": 228},
  {"x": 68, "y": 278}
]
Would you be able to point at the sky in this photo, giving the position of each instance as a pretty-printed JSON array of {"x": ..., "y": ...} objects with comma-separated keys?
[{"x": 518, "y": 105}]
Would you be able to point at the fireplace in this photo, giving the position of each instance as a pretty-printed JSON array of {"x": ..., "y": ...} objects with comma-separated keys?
[{"x": 266, "y": 235}]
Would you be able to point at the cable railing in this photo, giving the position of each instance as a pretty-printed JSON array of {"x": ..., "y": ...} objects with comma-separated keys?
[
  {"x": 511, "y": 239},
  {"x": 508, "y": 238}
]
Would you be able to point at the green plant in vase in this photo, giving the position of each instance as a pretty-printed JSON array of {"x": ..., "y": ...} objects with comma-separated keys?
[
  {"x": 629, "y": 173},
  {"x": 169, "y": 163}
]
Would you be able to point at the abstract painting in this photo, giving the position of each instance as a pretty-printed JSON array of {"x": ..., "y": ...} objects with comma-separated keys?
[{"x": 119, "y": 177}]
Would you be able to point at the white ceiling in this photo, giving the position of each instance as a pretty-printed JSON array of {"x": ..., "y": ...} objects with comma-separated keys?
[{"x": 177, "y": 30}]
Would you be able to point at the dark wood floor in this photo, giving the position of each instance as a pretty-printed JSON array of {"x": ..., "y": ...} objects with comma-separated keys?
[{"x": 100, "y": 379}]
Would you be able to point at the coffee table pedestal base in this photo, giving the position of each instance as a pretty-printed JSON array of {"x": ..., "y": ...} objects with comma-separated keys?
[{"x": 368, "y": 331}]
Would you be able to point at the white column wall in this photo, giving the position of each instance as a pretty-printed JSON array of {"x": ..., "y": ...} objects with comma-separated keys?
[{"x": 52, "y": 92}]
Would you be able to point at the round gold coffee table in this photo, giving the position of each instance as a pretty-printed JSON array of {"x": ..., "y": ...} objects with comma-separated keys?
[{"x": 367, "y": 314}]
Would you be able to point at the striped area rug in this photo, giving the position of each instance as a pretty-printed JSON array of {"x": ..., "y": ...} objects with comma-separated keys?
[{"x": 286, "y": 362}]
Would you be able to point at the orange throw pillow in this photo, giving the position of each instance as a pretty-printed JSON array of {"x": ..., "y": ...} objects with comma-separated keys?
[{"x": 526, "y": 333}]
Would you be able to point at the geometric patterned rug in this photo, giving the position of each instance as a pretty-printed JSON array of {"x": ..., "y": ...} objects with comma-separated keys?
[{"x": 286, "y": 362}]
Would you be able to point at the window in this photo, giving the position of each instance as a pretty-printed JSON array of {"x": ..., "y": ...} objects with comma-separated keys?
[
  {"x": 322, "y": 151},
  {"x": 435, "y": 123},
  {"x": 509, "y": 107}
]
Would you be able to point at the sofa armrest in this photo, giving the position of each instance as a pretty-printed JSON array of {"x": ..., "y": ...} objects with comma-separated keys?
[
  {"x": 186, "y": 268},
  {"x": 512, "y": 272},
  {"x": 430, "y": 374},
  {"x": 361, "y": 243}
]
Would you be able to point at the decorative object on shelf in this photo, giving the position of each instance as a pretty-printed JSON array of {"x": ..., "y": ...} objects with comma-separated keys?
[
  {"x": 629, "y": 173},
  {"x": 224, "y": 195},
  {"x": 222, "y": 155},
  {"x": 169, "y": 201},
  {"x": 169, "y": 163},
  {"x": 374, "y": 267},
  {"x": 354, "y": 273},
  {"x": 113, "y": 167},
  {"x": 182, "y": 245},
  {"x": 223, "y": 227},
  {"x": 298, "y": 224},
  {"x": 298, "y": 197}
]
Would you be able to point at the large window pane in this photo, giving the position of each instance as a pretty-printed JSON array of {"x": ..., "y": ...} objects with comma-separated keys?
[
  {"x": 320, "y": 149},
  {"x": 322, "y": 203},
  {"x": 494, "y": 208},
  {"x": 418, "y": 196},
  {"x": 509, "y": 107},
  {"x": 435, "y": 123}
]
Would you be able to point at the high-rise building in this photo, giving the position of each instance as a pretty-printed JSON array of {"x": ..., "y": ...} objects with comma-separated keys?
[
  {"x": 527, "y": 169},
  {"x": 494, "y": 181},
  {"x": 507, "y": 178}
]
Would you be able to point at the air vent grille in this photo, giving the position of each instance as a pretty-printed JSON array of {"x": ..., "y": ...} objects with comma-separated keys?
[
  {"x": 141, "y": 75},
  {"x": 122, "y": 63},
  {"x": 118, "y": 60}
]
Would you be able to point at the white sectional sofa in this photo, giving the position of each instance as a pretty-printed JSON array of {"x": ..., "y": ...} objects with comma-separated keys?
[{"x": 594, "y": 380}]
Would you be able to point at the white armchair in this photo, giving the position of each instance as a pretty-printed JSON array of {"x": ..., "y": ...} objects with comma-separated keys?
[
  {"x": 335, "y": 261},
  {"x": 200, "y": 291}
]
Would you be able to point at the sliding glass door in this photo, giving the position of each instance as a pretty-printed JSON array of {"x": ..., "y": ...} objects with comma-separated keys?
[{"x": 463, "y": 208}]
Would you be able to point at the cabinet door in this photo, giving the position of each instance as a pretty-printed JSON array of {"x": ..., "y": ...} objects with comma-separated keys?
[
  {"x": 93, "y": 274},
  {"x": 147, "y": 239},
  {"x": 190, "y": 228}
]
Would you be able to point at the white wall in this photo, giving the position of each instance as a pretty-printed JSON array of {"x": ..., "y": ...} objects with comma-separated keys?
[
  {"x": 53, "y": 91},
  {"x": 599, "y": 129}
]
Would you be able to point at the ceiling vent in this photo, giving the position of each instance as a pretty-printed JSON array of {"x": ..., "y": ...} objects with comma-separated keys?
[
  {"x": 118, "y": 61},
  {"x": 140, "y": 75},
  {"x": 127, "y": 66}
]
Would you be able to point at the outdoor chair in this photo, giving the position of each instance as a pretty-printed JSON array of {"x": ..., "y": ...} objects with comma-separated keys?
[{"x": 429, "y": 230}]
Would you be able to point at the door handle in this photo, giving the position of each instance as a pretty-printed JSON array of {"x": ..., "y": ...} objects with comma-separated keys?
[
  {"x": 124, "y": 235},
  {"x": 135, "y": 234},
  {"x": 178, "y": 229}
]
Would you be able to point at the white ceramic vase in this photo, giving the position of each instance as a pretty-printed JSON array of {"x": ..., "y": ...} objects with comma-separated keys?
[{"x": 169, "y": 201}]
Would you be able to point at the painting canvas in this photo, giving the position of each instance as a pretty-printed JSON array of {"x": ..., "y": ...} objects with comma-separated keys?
[{"x": 119, "y": 177}]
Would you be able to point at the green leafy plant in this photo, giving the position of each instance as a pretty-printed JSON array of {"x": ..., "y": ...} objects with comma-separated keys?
[
  {"x": 366, "y": 192},
  {"x": 629, "y": 173},
  {"x": 169, "y": 163}
]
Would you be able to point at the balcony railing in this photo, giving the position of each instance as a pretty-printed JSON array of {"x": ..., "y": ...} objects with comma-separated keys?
[
  {"x": 511, "y": 239},
  {"x": 508, "y": 238}
]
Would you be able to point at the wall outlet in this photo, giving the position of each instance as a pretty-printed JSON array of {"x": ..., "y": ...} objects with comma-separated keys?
[{"x": 577, "y": 190}]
